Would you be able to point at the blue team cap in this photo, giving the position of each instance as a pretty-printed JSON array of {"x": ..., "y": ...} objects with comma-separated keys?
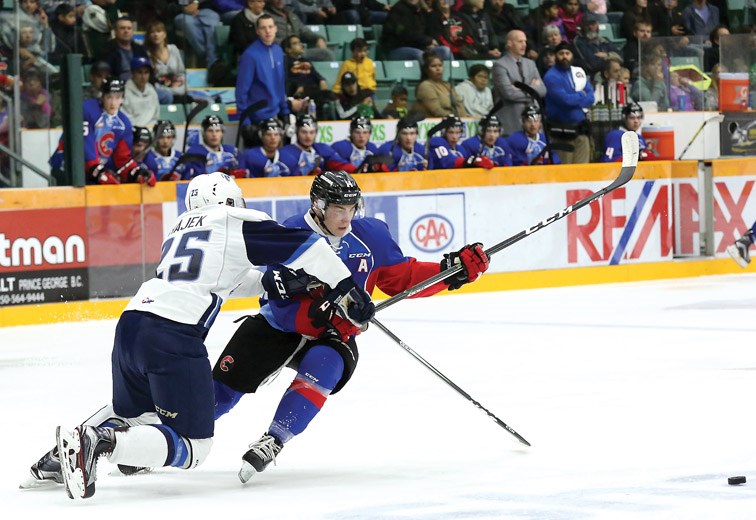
[{"x": 139, "y": 62}]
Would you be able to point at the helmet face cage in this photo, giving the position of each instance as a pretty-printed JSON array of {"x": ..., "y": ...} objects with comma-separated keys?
[
  {"x": 215, "y": 188},
  {"x": 336, "y": 187},
  {"x": 486, "y": 123},
  {"x": 164, "y": 128}
]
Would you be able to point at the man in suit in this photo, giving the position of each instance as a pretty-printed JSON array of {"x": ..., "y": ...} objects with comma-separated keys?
[{"x": 508, "y": 69}]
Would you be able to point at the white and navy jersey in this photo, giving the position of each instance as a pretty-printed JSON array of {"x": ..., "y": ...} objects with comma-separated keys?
[
  {"x": 374, "y": 260},
  {"x": 258, "y": 164},
  {"x": 499, "y": 153},
  {"x": 356, "y": 156},
  {"x": 525, "y": 148},
  {"x": 442, "y": 156},
  {"x": 214, "y": 160},
  {"x": 161, "y": 164},
  {"x": 402, "y": 160},
  {"x": 209, "y": 252}
]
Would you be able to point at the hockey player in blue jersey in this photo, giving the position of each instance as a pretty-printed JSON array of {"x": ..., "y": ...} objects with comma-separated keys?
[
  {"x": 632, "y": 119},
  {"x": 282, "y": 335},
  {"x": 311, "y": 157},
  {"x": 357, "y": 148},
  {"x": 159, "y": 360},
  {"x": 268, "y": 160},
  {"x": 446, "y": 152},
  {"x": 405, "y": 152},
  {"x": 140, "y": 144},
  {"x": 162, "y": 157},
  {"x": 107, "y": 141},
  {"x": 489, "y": 143},
  {"x": 219, "y": 156},
  {"x": 528, "y": 145}
]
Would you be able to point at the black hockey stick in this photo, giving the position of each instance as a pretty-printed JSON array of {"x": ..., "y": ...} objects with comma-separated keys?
[
  {"x": 564, "y": 147},
  {"x": 254, "y": 107},
  {"x": 629, "y": 164},
  {"x": 199, "y": 106},
  {"x": 718, "y": 118},
  {"x": 185, "y": 158},
  {"x": 448, "y": 381}
]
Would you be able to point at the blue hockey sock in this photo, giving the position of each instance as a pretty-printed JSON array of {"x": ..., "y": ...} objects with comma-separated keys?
[
  {"x": 319, "y": 372},
  {"x": 177, "y": 448},
  {"x": 225, "y": 398}
]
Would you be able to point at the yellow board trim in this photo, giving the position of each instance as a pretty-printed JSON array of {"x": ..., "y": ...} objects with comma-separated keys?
[{"x": 108, "y": 309}]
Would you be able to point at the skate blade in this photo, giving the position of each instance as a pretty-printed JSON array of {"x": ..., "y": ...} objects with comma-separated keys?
[
  {"x": 35, "y": 483},
  {"x": 246, "y": 472},
  {"x": 735, "y": 254},
  {"x": 73, "y": 477}
]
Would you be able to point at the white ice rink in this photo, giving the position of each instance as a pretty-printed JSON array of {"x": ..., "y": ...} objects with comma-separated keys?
[{"x": 638, "y": 400}]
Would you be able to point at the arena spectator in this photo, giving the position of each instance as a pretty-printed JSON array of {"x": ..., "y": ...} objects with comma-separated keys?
[
  {"x": 434, "y": 96},
  {"x": 667, "y": 18},
  {"x": 30, "y": 11},
  {"x": 547, "y": 14},
  {"x": 197, "y": 21},
  {"x": 510, "y": 68},
  {"x": 568, "y": 92},
  {"x": 228, "y": 9},
  {"x": 122, "y": 49},
  {"x": 478, "y": 24},
  {"x": 711, "y": 54},
  {"x": 474, "y": 91},
  {"x": 592, "y": 49},
  {"x": 365, "y": 12},
  {"x": 97, "y": 24},
  {"x": 141, "y": 103},
  {"x": 597, "y": 8},
  {"x": 167, "y": 63},
  {"x": 316, "y": 12},
  {"x": 504, "y": 18},
  {"x": 302, "y": 79},
  {"x": 98, "y": 73},
  {"x": 638, "y": 10},
  {"x": 404, "y": 34},
  {"x": 448, "y": 29},
  {"x": 397, "y": 108},
  {"x": 711, "y": 96},
  {"x": 700, "y": 18},
  {"x": 360, "y": 65},
  {"x": 68, "y": 37},
  {"x": 631, "y": 53},
  {"x": 651, "y": 85},
  {"x": 683, "y": 95},
  {"x": 571, "y": 16},
  {"x": 36, "y": 108},
  {"x": 353, "y": 101},
  {"x": 243, "y": 31},
  {"x": 288, "y": 23},
  {"x": 31, "y": 54}
]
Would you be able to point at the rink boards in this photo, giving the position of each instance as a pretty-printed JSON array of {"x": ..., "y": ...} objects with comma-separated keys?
[{"x": 76, "y": 253}]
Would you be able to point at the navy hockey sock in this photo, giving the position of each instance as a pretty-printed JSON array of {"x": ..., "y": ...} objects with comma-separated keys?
[
  {"x": 225, "y": 399},
  {"x": 319, "y": 372},
  {"x": 177, "y": 448}
]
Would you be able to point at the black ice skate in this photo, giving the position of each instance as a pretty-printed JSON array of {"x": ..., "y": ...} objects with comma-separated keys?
[
  {"x": 45, "y": 472},
  {"x": 79, "y": 450},
  {"x": 261, "y": 453},
  {"x": 739, "y": 250}
]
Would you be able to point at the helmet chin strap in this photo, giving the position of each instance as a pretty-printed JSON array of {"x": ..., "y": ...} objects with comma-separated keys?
[{"x": 318, "y": 217}]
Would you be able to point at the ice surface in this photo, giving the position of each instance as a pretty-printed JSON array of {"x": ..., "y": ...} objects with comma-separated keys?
[{"x": 638, "y": 400}]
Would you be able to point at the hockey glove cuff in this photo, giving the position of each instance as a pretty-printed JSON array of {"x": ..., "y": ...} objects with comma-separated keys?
[{"x": 281, "y": 283}]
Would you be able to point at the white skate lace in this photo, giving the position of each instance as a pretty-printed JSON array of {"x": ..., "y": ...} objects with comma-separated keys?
[{"x": 266, "y": 448}]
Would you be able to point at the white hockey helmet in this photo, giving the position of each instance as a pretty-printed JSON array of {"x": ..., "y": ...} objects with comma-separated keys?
[{"x": 213, "y": 188}]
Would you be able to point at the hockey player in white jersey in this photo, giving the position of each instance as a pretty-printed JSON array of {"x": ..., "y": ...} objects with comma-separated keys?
[{"x": 159, "y": 360}]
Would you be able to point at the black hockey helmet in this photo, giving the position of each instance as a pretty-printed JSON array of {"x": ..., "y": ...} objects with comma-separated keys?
[
  {"x": 270, "y": 125},
  {"x": 335, "y": 187},
  {"x": 632, "y": 108},
  {"x": 112, "y": 86},
  {"x": 306, "y": 120},
  {"x": 406, "y": 122},
  {"x": 141, "y": 135},
  {"x": 452, "y": 121},
  {"x": 164, "y": 128},
  {"x": 488, "y": 122},
  {"x": 362, "y": 123},
  {"x": 531, "y": 112},
  {"x": 212, "y": 121}
]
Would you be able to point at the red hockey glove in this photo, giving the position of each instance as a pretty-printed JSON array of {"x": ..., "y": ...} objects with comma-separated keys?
[
  {"x": 239, "y": 173},
  {"x": 474, "y": 263},
  {"x": 146, "y": 176},
  {"x": 315, "y": 171},
  {"x": 102, "y": 175},
  {"x": 172, "y": 176},
  {"x": 478, "y": 161}
]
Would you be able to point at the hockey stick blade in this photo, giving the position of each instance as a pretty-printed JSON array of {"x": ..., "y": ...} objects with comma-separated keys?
[
  {"x": 629, "y": 164},
  {"x": 448, "y": 381}
]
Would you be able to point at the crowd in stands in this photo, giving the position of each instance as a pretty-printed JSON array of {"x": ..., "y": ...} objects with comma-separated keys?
[{"x": 549, "y": 64}]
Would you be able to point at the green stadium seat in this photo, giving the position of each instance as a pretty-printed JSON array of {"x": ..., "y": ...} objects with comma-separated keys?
[
  {"x": 319, "y": 30},
  {"x": 610, "y": 32},
  {"x": 344, "y": 34},
  {"x": 456, "y": 70},
  {"x": 487, "y": 63},
  {"x": 222, "y": 44},
  {"x": 328, "y": 69},
  {"x": 405, "y": 71}
]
